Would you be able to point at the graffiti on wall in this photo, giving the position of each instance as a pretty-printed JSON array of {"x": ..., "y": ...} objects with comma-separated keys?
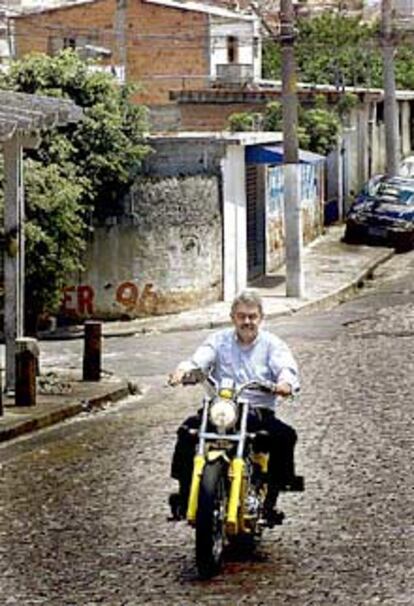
[
  {"x": 80, "y": 300},
  {"x": 308, "y": 185}
]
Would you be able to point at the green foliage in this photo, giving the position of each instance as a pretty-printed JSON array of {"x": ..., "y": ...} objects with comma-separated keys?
[
  {"x": 346, "y": 102},
  {"x": 322, "y": 126},
  {"x": 244, "y": 121},
  {"x": 318, "y": 128},
  {"x": 334, "y": 49},
  {"x": 339, "y": 50},
  {"x": 53, "y": 208},
  {"x": 107, "y": 146},
  {"x": 273, "y": 116},
  {"x": 79, "y": 169}
]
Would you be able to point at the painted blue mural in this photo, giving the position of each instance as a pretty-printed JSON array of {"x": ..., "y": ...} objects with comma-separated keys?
[{"x": 308, "y": 186}]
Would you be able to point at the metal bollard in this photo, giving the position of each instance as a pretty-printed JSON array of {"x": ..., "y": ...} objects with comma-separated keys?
[
  {"x": 27, "y": 357},
  {"x": 92, "y": 351}
]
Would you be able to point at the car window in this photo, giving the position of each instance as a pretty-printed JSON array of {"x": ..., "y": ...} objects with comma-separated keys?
[{"x": 389, "y": 193}]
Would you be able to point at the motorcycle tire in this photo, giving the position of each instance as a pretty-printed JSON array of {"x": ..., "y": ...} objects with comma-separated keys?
[{"x": 210, "y": 519}]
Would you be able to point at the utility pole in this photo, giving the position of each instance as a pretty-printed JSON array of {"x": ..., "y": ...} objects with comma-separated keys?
[
  {"x": 291, "y": 188},
  {"x": 120, "y": 38},
  {"x": 392, "y": 147},
  {"x": 14, "y": 253}
]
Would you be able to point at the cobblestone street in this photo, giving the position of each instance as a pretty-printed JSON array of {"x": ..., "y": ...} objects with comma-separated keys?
[{"x": 84, "y": 505}]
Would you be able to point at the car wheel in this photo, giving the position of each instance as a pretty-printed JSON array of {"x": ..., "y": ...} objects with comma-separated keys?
[
  {"x": 406, "y": 245},
  {"x": 352, "y": 235}
]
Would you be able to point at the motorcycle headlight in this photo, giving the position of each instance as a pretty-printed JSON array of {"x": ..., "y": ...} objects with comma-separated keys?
[{"x": 223, "y": 413}]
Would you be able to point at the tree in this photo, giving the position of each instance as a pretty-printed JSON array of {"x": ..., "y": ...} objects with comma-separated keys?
[
  {"x": 317, "y": 131},
  {"x": 340, "y": 50},
  {"x": 79, "y": 171},
  {"x": 322, "y": 128},
  {"x": 107, "y": 147}
]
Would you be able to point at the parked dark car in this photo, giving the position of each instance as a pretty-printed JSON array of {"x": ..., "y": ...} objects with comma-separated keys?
[{"x": 383, "y": 213}]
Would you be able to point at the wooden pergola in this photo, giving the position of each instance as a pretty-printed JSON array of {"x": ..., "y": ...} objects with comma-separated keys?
[{"x": 23, "y": 117}]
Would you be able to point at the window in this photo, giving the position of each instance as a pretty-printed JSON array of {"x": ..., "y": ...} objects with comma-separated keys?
[
  {"x": 232, "y": 49},
  {"x": 69, "y": 42},
  {"x": 255, "y": 47},
  {"x": 380, "y": 112}
]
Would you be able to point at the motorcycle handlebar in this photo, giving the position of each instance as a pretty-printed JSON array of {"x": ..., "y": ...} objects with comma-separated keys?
[
  {"x": 195, "y": 376},
  {"x": 266, "y": 386}
]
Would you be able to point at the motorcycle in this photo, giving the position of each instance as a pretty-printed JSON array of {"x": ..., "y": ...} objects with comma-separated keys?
[{"x": 229, "y": 480}]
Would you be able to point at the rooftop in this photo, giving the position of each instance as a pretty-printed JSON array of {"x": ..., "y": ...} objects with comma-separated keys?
[
  {"x": 238, "y": 138},
  {"x": 184, "y": 5}
]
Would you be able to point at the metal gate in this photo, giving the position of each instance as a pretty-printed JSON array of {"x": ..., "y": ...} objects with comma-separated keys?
[{"x": 255, "y": 225}]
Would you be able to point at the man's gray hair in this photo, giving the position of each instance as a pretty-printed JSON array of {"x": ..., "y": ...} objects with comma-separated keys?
[{"x": 247, "y": 297}]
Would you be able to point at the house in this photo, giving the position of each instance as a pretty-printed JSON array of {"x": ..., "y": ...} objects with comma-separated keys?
[
  {"x": 204, "y": 221},
  {"x": 159, "y": 45},
  {"x": 361, "y": 150}
]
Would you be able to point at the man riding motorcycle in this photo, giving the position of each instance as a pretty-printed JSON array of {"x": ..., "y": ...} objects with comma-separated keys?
[{"x": 242, "y": 353}]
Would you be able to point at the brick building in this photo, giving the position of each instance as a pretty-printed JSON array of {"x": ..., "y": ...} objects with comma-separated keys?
[{"x": 161, "y": 45}]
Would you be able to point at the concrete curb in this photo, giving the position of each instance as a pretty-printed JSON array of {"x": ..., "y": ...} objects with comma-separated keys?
[
  {"x": 344, "y": 291},
  {"x": 46, "y": 419}
]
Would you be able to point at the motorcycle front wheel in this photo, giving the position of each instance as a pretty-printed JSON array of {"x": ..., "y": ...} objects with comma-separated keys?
[{"x": 210, "y": 519}]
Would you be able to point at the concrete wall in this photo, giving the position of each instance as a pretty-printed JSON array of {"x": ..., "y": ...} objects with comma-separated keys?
[
  {"x": 191, "y": 157},
  {"x": 212, "y": 116},
  {"x": 165, "y": 255},
  {"x": 226, "y": 162},
  {"x": 234, "y": 218}
]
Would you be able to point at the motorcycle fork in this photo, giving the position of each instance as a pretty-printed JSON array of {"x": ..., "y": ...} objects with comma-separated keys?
[
  {"x": 235, "y": 509},
  {"x": 198, "y": 466}
]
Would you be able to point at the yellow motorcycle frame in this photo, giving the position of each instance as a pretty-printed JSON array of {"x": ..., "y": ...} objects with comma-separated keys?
[{"x": 237, "y": 519}]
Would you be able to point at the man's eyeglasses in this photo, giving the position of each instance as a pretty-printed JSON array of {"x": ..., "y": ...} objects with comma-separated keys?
[{"x": 253, "y": 317}]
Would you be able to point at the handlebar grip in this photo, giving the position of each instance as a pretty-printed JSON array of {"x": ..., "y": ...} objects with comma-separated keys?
[
  {"x": 268, "y": 386},
  {"x": 189, "y": 379},
  {"x": 193, "y": 376}
]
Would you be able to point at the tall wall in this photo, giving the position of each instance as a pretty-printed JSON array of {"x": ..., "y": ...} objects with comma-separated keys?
[
  {"x": 163, "y": 46},
  {"x": 165, "y": 255},
  {"x": 212, "y": 116}
]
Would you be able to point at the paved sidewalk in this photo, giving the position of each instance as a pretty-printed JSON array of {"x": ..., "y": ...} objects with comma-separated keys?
[
  {"x": 59, "y": 397},
  {"x": 332, "y": 271}
]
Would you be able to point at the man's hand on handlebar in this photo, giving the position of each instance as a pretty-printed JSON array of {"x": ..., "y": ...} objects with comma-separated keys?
[
  {"x": 283, "y": 389},
  {"x": 176, "y": 377}
]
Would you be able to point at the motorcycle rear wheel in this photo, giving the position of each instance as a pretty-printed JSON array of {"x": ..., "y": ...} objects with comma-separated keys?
[{"x": 210, "y": 519}]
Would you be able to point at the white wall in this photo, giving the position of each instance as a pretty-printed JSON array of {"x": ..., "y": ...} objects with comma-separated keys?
[{"x": 234, "y": 222}]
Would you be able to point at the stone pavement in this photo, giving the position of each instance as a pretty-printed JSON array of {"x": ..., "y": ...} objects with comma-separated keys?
[{"x": 332, "y": 271}]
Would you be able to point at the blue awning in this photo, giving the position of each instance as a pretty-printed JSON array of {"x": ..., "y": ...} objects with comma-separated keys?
[{"x": 273, "y": 154}]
